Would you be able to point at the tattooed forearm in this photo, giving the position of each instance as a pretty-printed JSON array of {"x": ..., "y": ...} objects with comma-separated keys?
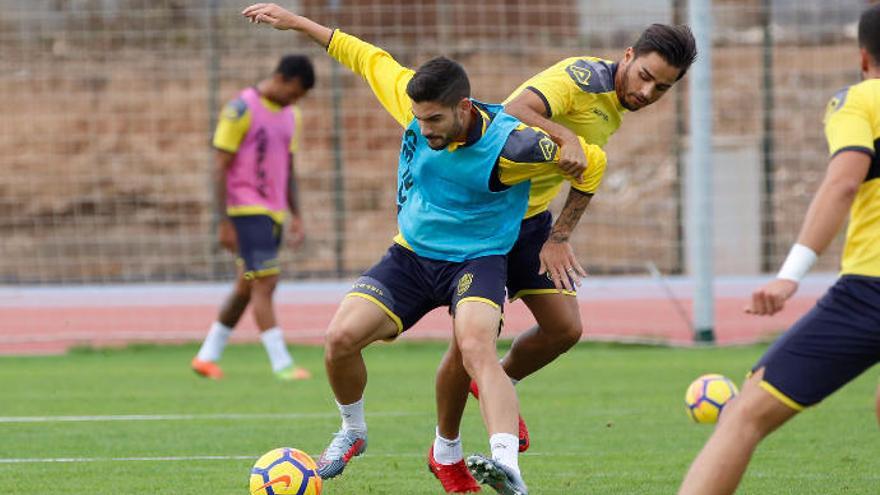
[{"x": 575, "y": 204}]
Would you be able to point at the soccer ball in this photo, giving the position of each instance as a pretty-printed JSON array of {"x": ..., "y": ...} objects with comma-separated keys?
[
  {"x": 706, "y": 397},
  {"x": 285, "y": 471}
]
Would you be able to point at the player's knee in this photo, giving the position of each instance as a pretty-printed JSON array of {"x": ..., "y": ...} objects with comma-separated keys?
[
  {"x": 475, "y": 353},
  {"x": 338, "y": 343},
  {"x": 242, "y": 291},
  {"x": 567, "y": 334},
  {"x": 750, "y": 416},
  {"x": 341, "y": 340},
  {"x": 264, "y": 286}
]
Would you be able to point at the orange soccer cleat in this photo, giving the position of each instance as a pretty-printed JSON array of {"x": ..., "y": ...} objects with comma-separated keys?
[
  {"x": 208, "y": 369},
  {"x": 292, "y": 373}
]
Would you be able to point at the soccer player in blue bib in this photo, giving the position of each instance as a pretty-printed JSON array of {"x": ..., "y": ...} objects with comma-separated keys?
[
  {"x": 578, "y": 98},
  {"x": 463, "y": 187},
  {"x": 840, "y": 337}
]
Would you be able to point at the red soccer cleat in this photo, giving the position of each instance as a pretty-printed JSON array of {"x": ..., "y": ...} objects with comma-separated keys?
[
  {"x": 455, "y": 478},
  {"x": 208, "y": 369},
  {"x": 523, "y": 429}
]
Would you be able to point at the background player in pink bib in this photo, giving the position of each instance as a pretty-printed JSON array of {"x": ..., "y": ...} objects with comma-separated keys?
[{"x": 255, "y": 142}]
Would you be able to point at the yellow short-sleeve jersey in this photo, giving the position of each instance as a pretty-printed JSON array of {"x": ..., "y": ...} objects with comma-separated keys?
[
  {"x": 235, "y": 121},
  {"x": 578, "y": 93},
  {"x": 386, "y": 77},
  {"x": 852, "y": 123}
]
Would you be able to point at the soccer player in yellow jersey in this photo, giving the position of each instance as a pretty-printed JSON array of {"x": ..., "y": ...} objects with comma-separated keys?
[
  {"x": 463, "y": 173},
  {"x": 255, "y": 142},
  {"x": 839, "y": 338},
  {"x": 579, "y": 98}
]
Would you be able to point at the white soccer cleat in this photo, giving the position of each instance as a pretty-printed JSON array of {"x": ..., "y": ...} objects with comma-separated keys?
[
  {"x": 345, "y": 445},
  {"x": 499, "y": 477}
]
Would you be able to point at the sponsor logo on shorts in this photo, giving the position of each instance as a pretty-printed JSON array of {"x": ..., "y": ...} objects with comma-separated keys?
[
  {"x": 464, "y": 283},
  {"x": 367, "y": 288}
]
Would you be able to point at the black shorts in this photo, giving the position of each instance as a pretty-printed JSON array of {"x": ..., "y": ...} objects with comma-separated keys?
[
  {"x": 524, "y": 262},
  {"x": 828, "y": 347},
  {"x": 407, "y": 286},
  {"x": 259, "y": 238}
]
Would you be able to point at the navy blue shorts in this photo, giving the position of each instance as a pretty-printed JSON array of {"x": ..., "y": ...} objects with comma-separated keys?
[
  {"x": 259, "y": 238},
  {"x": 829, "y": 346},
  {"x": 407, "y": 286},
  {"x": 524, "y": 262}
]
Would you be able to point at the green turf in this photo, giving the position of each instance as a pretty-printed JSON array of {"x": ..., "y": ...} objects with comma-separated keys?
[{"x": 605, "y": 419}]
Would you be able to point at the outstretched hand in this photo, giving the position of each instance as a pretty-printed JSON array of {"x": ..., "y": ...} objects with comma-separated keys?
[{"x": 271, "y": 14}]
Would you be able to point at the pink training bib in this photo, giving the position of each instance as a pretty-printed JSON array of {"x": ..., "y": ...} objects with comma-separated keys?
[{"x": 261, "y": 169}]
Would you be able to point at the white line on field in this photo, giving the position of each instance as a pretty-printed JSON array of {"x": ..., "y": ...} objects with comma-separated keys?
[
  {"x": 186, "y": 417},
  {"x": 125, "y": 459},
  {"x": 59, "y": 460}
]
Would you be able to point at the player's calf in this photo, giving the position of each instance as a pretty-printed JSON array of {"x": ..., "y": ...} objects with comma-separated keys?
[{"x": 524, "y": 442}]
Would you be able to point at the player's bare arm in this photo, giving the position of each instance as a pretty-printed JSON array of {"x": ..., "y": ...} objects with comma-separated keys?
[
  {"x": 296, "y": 230},
  {"x": 225, "y": 231},
  {"x": 557, "y": 256},
  {"x": 282, "y": 19},
  {"x": 530, "y": 109},
  {"x": 825, "y": 217}
]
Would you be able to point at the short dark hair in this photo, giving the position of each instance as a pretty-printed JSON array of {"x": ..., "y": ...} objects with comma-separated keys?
[
  {"x": 297, "y": 66},
  {"x": 869, "y": 31},
  {"x": 440, "y": 79},
  {"x": 675, "y": 44}
]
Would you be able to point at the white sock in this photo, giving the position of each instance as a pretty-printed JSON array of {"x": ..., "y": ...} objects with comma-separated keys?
[
  {"x": 215, "y": 342},
  {"x": 273, "y": 341},
  {"x": 353, "y": 416},
  {"x": 505, "y": 449},
  {"x": 447, "y": 451}
]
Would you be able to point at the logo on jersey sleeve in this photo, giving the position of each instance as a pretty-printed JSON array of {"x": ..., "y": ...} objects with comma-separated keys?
[
  {"x": 529, "y": 145},
  {"x": 548, "y": 148},
  {"x": 592, "y": 76},
  {"x": 464, "y": 283},
  {"x": 836, "y": 103},
  {"x": 581, "y": 75},
  {"x": 234, "y": 110}
]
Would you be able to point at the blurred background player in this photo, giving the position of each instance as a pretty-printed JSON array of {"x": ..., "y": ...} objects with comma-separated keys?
[
  {"x": 256, "y": 139},
  {"x": 577, "y": 98},
  {"x": 457, "y": 157},
  {"x": 839, "y": 338}
]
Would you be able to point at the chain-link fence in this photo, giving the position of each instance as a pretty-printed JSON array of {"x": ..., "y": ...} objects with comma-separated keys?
[{"x": 105, "y": 133}]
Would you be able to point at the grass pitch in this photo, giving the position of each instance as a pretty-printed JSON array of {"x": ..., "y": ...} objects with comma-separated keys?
[{"x": 604, "y": 419}]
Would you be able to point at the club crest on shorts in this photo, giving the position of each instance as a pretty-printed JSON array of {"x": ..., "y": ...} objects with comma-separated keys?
[{"x": 464, "y": 283}]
